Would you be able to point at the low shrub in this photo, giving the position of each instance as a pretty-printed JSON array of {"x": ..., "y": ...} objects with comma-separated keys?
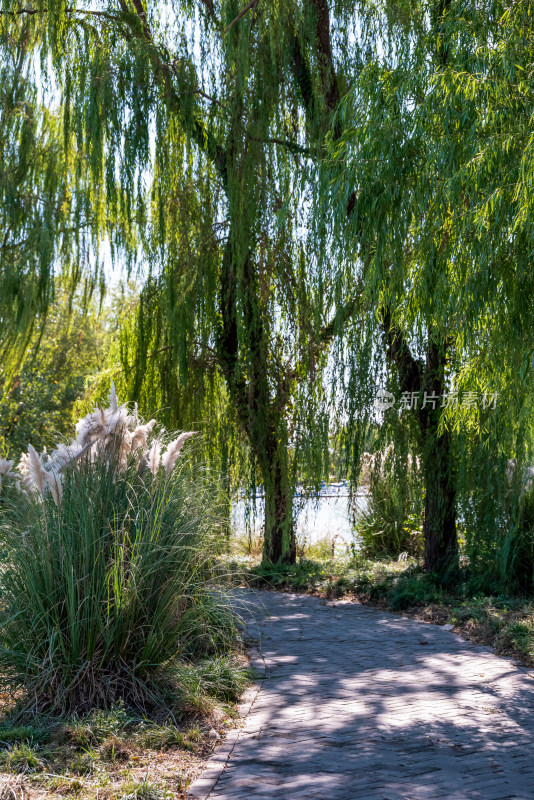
[
  {"x": 106, "y": 583},
  {"x": 16, "y": 734},
  {"x": 220, "y": 678},
  {"x": 94, "y": 728}
]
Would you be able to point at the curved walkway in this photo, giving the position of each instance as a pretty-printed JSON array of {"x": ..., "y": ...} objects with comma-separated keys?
[{"x": 359, "y": 704}]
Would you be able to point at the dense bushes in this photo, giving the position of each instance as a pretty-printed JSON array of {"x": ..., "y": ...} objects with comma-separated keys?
[{"x": 105, "y": 587}]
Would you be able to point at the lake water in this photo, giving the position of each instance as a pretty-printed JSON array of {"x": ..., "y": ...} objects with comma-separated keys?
[{"x": 325, "y": 517}]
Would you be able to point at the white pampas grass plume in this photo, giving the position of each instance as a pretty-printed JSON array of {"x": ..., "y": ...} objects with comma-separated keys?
[
  {"x": 91, "y": 427},
  {"x": 54, "y": 482},
  {"x": 5, "y": 468},
  {"x": 133, "y": 419},
  {"x": 126, "y": 445},
  {"x": 154, "y": 456},
  {"x": 116, "y": 419},
  {"x": 24, "y": 465},
  {"x": 100, "y": 423},
  {"x": 25, "y": 484},
  {"x": 173, "y": 451},
  {"x": 113, "y": 402},
  {"x": 141, "y": 434},
  {"x": 64, "y": 454},
  {"x": 36, "y": 469}
]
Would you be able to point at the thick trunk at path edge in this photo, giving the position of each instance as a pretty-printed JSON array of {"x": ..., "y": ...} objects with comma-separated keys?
[
  {"x": 439, "y": 526},
  {"x": 279, "y": 544},
  {"x": 417, "y": 376}
]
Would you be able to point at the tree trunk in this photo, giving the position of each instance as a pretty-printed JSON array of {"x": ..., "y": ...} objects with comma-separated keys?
[
  {"x": 260, "y": 415},
  {"x": 441, "y": 550},
  {"x": 279, "y": 543},
  {"x": 439, "y": 526}
]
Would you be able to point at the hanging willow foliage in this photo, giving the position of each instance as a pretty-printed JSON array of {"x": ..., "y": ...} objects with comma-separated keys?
[
  {"x": 202, "y": 125},
  {"x": 436, "y": 148},
  {"x": 48, "y": 219}
]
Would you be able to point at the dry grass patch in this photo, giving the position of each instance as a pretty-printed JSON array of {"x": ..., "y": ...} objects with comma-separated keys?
[{"x": 106, "y": 756}]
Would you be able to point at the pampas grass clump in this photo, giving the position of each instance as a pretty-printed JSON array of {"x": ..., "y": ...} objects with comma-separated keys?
[{"x": 105, "y": 584}]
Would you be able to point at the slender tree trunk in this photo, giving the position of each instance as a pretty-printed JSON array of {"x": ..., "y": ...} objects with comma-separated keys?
[{"x": 261, "y": 416}]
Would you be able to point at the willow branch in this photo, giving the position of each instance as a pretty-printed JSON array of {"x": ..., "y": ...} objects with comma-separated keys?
[
  {"x": 292, "y": 146},
  {"x": 410, "y": 369},
  {"x": 240, "y": 15},
  {"x": 340, "y": 319},
  {"x": 87, "y": 11},
  {"x": 202, "y": 138}
]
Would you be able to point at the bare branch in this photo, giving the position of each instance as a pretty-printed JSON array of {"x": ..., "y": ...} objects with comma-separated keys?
[{"x": 165, "y": 71}]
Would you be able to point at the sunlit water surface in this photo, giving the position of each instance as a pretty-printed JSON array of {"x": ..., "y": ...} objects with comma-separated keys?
[{"x": 326, "y": 517}]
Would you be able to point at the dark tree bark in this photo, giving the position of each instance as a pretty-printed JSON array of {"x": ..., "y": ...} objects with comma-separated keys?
[
  {"x": 279, "y": 544},
  {"x": 261, "y": 415},
  {"x": 441, "y": 546},
  {"x": 439, "y": 524}
]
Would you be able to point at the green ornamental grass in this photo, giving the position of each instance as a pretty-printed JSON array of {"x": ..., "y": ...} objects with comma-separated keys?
[{"x": 105, "y": 580}]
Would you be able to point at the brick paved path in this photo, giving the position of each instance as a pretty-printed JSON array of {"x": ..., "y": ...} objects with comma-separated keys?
[{"x": 361, "y": 704}]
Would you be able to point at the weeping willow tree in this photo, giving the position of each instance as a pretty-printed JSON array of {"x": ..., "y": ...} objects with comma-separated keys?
[
  {"x": 47, "y": 215},
  {"x": 436, "y": 150},
  {"x": 397, "y": 229},
  {"x": 202, "y": 125},
  {"x": 202, "y": 128},
  {"x": 490, "y": 191}
]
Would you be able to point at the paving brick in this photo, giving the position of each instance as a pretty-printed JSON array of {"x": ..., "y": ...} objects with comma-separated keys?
[{"x": 354, "y": 707}]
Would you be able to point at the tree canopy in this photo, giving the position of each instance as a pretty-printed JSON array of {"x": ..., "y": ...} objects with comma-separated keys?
[{"x": 322, "y": 198}]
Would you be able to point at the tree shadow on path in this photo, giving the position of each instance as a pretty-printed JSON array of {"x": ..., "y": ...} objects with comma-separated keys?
[{"x": 360, "y": 703}]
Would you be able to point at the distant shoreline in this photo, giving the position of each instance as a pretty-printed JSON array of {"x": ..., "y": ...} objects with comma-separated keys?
[{"x": 362, "y": 492}]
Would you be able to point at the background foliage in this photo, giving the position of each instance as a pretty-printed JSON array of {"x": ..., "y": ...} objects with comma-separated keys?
[{"x": 325, "y": 199}]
